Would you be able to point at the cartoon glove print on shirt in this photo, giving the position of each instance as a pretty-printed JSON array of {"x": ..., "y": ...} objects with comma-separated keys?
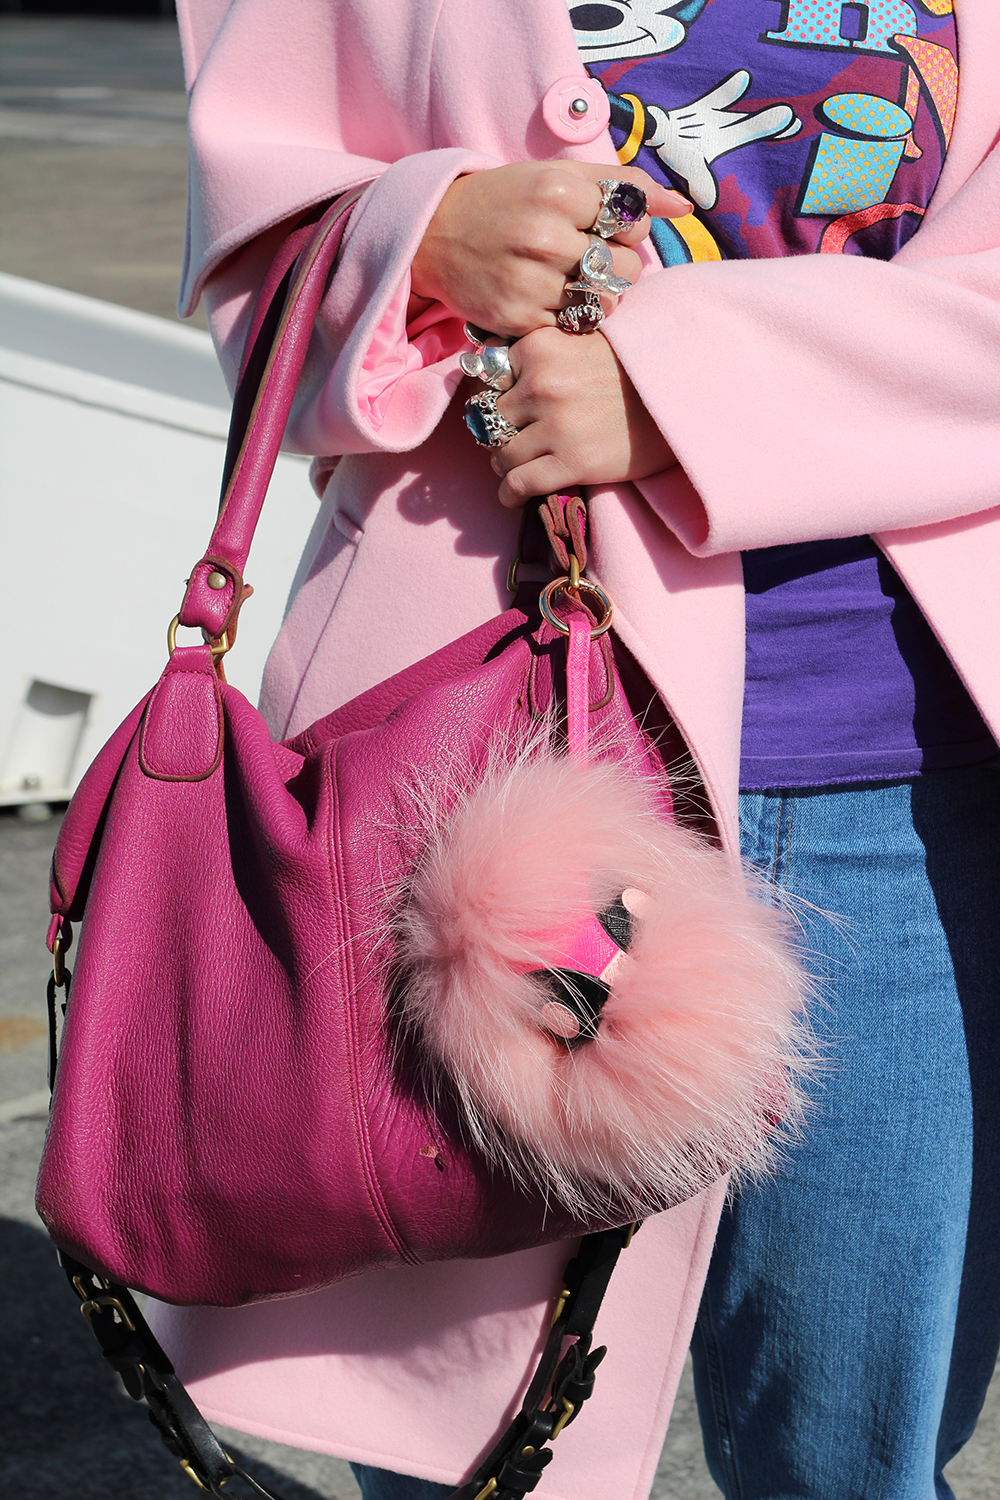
[{"x": 688, "y": 139}]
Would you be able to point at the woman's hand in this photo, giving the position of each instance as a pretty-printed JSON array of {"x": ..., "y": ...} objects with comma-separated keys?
[
  {"x": 580, "y": 417},
  {"x": 503, "y": 243}
]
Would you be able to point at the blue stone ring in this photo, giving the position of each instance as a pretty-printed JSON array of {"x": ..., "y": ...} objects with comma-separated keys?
[
  {"x": 622, "y": 205},
  {"x": 488, "y": 426}
]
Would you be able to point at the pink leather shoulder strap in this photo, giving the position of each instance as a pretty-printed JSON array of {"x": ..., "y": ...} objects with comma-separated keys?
[{"x": 279, "y": 337}]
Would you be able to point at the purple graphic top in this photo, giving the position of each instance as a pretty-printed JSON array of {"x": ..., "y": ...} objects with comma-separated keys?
[
  {"x": 800, "y": 127},
  {"x": 795, "y": 125}
]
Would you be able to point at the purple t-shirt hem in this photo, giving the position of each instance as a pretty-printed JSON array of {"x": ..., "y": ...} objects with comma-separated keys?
[
  {"x": 766, "y": 773},
  {"x": 845, "y": 680}
]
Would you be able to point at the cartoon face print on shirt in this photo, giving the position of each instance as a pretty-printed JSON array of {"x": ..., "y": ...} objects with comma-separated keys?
[
  {"x": 631, "y": 28},
  {"x": 793, "y": 125}
]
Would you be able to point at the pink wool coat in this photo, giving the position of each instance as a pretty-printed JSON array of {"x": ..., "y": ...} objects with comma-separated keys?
[{"x": 809, "y": 397}]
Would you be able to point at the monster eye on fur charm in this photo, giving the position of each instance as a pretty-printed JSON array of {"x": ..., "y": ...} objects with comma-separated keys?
[{"x": 629, "y": 1057}]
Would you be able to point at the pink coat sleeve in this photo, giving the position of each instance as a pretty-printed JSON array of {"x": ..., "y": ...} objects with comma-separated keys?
[
  {"x": 280, "y": 121},
  {"x": 825, "y": 395},
  {"x": 371, "y": 383}
]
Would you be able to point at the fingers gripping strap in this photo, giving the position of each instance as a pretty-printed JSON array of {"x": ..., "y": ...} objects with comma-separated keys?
[{"x": 256, "y": 435}]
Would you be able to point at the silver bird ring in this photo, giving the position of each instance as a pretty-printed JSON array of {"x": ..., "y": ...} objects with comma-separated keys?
[
  {"x": 597, "y": 272},
  {"x": 488, "y": 426}
]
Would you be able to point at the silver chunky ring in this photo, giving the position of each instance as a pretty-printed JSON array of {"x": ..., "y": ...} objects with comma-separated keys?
[
  {"x": 597, "y": 272},
  {"x": 490, "y": 363},
  {"x": 582, "y": 317},
  {"x": 596, "y": 278},
  {"x": 488, "y": 426},
  {"x": 622, "y": 205}
]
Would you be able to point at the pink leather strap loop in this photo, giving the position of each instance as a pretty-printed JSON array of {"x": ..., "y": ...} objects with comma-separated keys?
[
  {"x": 565, "y": 520},
  {"x": 182, "y": 731},
  {"x": 256, "y": 435},
  {"x": 578, "y": 683}
]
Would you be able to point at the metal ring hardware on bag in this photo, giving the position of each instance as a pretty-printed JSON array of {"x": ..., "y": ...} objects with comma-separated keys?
[
  {"x": 219, "y": 647},
  {"x": 565, "y": 585}
]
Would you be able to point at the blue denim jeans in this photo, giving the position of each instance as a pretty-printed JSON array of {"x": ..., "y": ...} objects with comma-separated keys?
[
  {"x": 384, "y": 1484},
  {"x": 851, "y": 1317}
]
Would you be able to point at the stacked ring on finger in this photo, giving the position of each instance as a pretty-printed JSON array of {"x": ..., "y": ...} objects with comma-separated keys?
[
  {"x": 596, "y": 276},
  {"x": 488, "y": 426},
  {"x": 597, "y": 272},
  {"x": 491, "y": 364},
  {"x": 622, "y": 205},
  {"x": 582, "y": 317}
]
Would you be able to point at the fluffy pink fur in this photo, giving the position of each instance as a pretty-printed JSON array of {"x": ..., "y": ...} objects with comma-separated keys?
[{"x": 700, "y": 1043}]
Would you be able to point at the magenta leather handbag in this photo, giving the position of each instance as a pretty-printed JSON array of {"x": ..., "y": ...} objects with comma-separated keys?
[{"x": 439, "y": 977}]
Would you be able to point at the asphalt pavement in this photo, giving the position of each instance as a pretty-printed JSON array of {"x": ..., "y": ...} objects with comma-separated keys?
[
  {"x": 93, "y": 157},
  {"x": 92, "y": 180}
]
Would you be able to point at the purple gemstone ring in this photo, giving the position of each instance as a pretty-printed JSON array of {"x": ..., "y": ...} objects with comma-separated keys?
[
  {"x": 622, "y": 205},
  {"x": 582, "y": 317}
]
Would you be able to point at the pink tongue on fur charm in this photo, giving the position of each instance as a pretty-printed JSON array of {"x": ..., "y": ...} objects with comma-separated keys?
[{"x": 584, "y": 965}]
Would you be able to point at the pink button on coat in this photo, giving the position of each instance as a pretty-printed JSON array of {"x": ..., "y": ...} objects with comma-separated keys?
[{"x": 808, "y": 397}]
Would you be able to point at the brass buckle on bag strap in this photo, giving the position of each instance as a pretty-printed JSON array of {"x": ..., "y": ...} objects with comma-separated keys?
[{"x": 219, "y": 646}]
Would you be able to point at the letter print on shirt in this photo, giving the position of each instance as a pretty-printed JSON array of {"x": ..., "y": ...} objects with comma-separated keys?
[{"x": 795, "y": 126}]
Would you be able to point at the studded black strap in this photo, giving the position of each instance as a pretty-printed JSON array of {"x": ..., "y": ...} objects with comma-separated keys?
[
  {"x": 130, "y": 1348},
  {"x": 561, "y": 1382}
]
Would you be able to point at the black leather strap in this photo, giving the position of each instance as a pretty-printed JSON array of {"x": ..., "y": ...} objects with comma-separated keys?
[
  {"x": 561, "y": 1382},
  {"x": 560, "y": 1386},
  {"x": 130, "y": 1348}
]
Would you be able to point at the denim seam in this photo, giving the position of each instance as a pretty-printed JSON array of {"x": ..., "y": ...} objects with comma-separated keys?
[
  {"x": 777, "y": 846},
  {"x": 782, "y": 857},
  {"x": 720, "y": 1408}
]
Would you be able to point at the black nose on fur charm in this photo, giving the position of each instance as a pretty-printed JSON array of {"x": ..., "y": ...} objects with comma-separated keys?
[{"x": 574, "y": 1012}]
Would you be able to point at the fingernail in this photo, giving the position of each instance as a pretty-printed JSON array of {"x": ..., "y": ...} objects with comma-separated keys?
[{"x": 684, "y": 205}]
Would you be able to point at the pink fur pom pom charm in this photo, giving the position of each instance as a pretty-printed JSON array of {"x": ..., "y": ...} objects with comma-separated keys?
[{"x": 621, "y": 1018}]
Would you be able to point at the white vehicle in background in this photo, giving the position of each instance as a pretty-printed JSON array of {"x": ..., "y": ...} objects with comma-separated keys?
[{"x": 112, "y": 435}]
